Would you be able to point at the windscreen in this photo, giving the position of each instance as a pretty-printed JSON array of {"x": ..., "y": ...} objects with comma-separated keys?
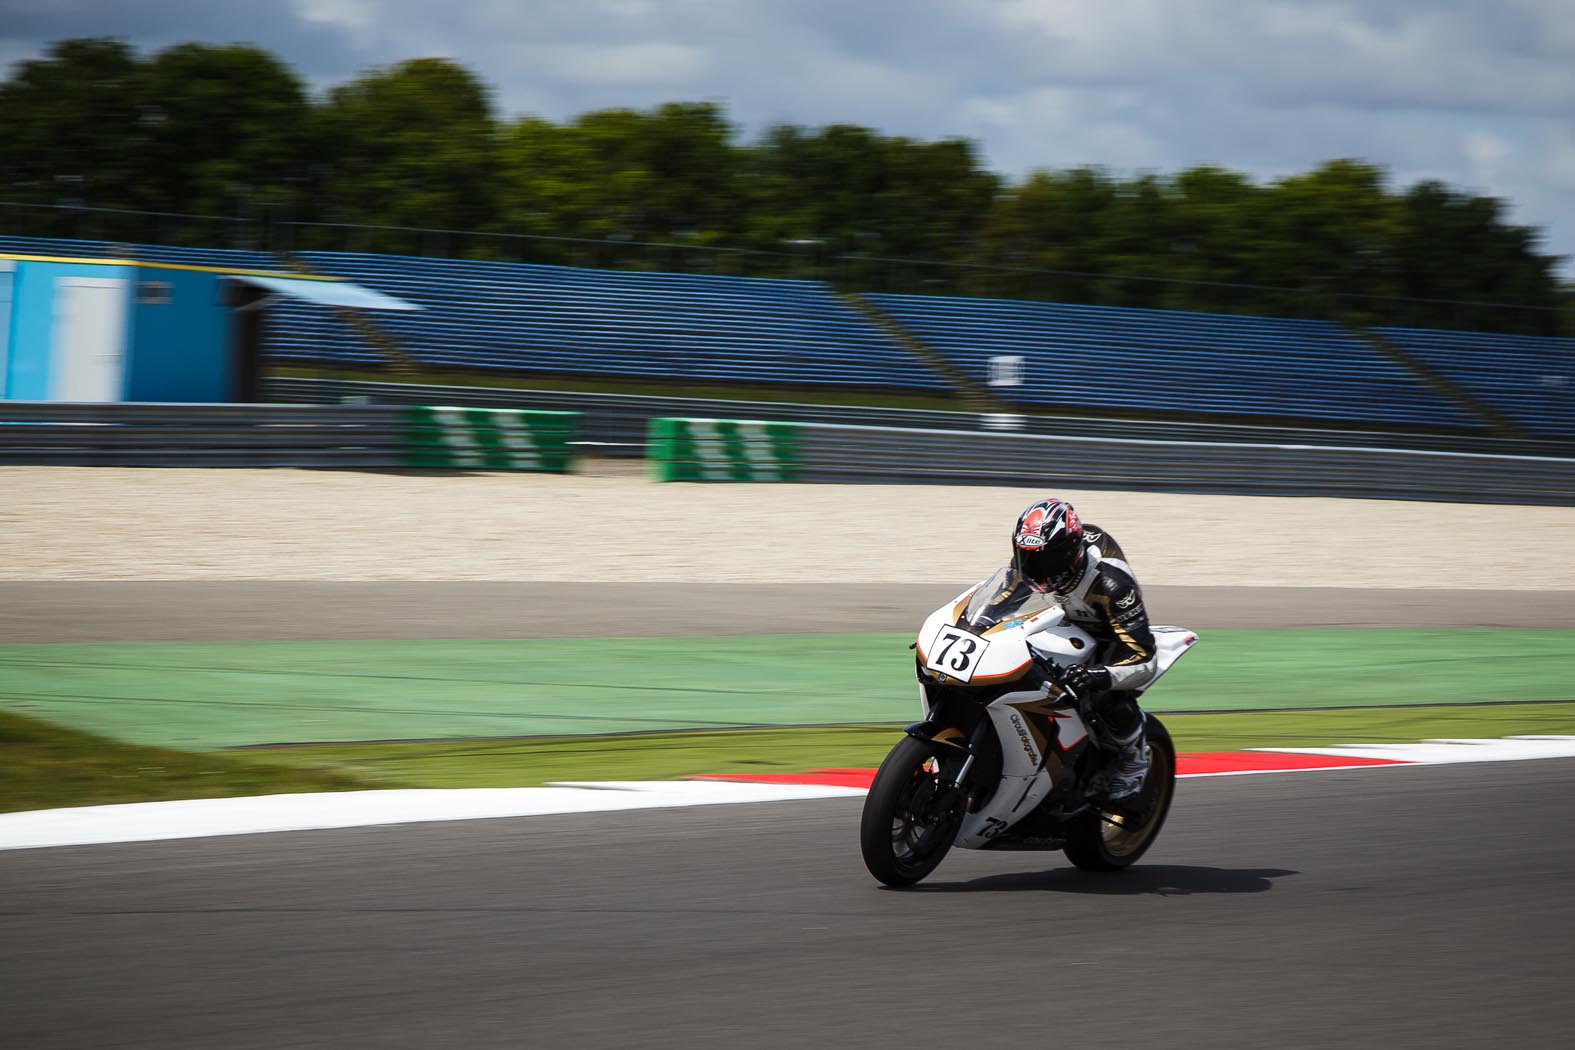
[{"x": 1003, "y": 596}]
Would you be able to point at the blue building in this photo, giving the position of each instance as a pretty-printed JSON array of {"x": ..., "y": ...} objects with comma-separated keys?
[{"x": 105, "y": 329}]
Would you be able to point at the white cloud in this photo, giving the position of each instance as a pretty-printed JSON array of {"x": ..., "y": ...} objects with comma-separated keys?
[
  {"x": 637, "y": 65},
  {"x": 1558, "y": 161},
  {"x": 1487, "y": 155},
  {"x": 358, "y": 16}
]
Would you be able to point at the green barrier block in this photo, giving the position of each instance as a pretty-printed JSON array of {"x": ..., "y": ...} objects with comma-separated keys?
[
  {"x": 444, "y": 438},
  {"x": 722, "y": 450},
  {"x": 669, "y": 453}
]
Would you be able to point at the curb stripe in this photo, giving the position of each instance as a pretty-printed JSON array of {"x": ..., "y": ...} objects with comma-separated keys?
[{"x": 150, "y": 821}]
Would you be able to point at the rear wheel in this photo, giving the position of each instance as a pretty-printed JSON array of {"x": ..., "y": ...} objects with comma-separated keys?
[
  {"x": 1116, "y": 835},
  {"x": 910, "y": 816}
]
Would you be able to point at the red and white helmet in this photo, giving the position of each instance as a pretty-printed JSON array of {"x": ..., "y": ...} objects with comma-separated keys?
[{"x": 1047, "y": 546}]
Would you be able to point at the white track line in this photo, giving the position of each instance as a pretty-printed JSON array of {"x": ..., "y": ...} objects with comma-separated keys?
[
  {"x": 148, "y": 821},
  {"x": 151, "y": 821},
  {"x": 1444, "y": 752}
]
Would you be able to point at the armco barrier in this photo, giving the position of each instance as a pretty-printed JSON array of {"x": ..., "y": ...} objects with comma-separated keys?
[
  {"x": 199, "y": 435},
  {"x": 350, "y": 436},
  {"x": 489, "y": 438},
  {"x": 355, "y": 436},
  {"x": 831, "y": 452},
  {"x": 722, "y": 450},
  {"x": 615, "y": 424}
]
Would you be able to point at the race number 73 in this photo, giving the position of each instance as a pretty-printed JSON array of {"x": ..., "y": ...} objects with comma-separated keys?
[{"x": 955, "y": 652}]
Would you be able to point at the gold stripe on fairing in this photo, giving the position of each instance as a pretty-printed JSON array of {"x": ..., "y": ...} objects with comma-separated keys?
[
  {"x": 1016, "y": 672},
  {"x": 957, "y": 611},
  {"x": 1041, "y": 741},
  {"x": 1047, "y": 707}
]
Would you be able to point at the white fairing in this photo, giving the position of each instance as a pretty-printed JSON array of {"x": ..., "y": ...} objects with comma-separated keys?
[
  {"x": 969, "y": 650},
  {"x": 1024, "y": 784}
]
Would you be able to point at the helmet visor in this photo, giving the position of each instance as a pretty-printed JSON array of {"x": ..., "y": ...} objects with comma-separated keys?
[{"x": 1055, "y": 565}]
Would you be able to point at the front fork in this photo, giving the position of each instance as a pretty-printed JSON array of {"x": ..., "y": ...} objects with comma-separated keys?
[{"x": 955, "y": 754}]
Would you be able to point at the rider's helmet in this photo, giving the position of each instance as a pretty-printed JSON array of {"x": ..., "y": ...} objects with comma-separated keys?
[{"x": 1047, "y": 546}]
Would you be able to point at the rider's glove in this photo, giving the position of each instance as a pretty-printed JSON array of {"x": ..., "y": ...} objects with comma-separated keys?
[{"x": 1083, "y": 679}]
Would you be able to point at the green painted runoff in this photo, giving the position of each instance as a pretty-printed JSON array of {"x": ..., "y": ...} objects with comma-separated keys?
[{"x": 214, "y": 695}]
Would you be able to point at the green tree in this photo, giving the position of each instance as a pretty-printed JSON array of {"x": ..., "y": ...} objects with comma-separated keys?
[
  {"x": 846, "y": 189},
  {"x": 224, "y": 127},
  {"x": 1053, "y": 220},
  {"x": 412, "y": 145},
  {"x": 666, "y": 175},
  {"x": 1457, "y": 246},
  {"x": 71, "y": 127},
  {"x": 1332, "y": 231},
  {"x": 215, "y": 129},
  {"x": 1215, "y": 238}
]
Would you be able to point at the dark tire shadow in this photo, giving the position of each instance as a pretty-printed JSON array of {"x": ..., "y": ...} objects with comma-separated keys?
[{"x": 1164, "y": 880}]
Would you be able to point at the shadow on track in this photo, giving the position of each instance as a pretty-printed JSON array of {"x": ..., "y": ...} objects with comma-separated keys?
[{"x": 1161, "y": 879}]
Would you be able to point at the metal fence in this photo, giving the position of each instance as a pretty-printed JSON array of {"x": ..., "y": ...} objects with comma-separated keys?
[
  {"x": 374, "y": 436},
  {"x": 615, "y": 424},
  {"x": 844, "y": 453},
  {"x": 183, "y": 435}
]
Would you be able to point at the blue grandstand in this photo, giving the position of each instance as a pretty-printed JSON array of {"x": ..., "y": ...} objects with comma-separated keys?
[
  {"x": 58, "y": 247},
  {"x": 700, "y": 329},
  {"x": 570, "y": 320},
  {"x": 1140, "y": 360},
  {"x": 1528, "y": 379}
]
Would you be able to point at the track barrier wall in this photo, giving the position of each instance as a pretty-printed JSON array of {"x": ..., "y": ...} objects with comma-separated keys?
[
  {"x": 722, "y": 450},
  {"x": 730, "y": 450},
  {"x": 617, "y": 424},
  {"x": 697, "y": 449},
  {"x": 488, "y": 439},
  {"x": 238, "y": 435}
]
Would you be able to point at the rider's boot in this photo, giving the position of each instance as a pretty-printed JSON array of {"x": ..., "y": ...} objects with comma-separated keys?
[{"x": 1130, "y": 767}]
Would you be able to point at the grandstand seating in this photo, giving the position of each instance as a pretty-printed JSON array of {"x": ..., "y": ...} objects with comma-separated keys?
[
  {"x": 562, "y": 319},
  {"x": 712, "y": 329},
  {"x": 1528, "y": 379},
  {"x": 1139, "y": 360},
  {"x": 227, "y": 258},
  {"x": 54, "y": 246}
]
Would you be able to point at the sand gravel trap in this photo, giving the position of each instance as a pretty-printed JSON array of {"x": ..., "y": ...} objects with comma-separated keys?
[{"x": 116, "y": 523}]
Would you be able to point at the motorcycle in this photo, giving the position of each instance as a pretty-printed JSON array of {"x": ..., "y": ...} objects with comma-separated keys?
[{"x": 1007, "y": 756}]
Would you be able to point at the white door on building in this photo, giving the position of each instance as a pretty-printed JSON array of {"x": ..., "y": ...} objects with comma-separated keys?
[
  {"x": 87, "y": 362},
  {"x": 7, "y": 280}
]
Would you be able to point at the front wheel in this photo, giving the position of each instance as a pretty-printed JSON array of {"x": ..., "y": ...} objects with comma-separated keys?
[
  {"x": 910, "y": 816},
  {"x": 1114, "y": 836}
]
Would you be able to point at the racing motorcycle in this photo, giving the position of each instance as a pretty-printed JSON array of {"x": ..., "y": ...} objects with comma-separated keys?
[{"x": 1007, "y": 756}]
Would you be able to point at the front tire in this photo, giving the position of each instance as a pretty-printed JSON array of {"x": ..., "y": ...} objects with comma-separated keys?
[
  {"x": 1115, "y": 836},
  {"x": 910, "y": 817}
]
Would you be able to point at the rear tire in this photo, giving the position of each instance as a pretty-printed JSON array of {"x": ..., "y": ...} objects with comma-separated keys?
[
  {"x": 1103, "y": 840},
  {"x": 909, "y": 821}
]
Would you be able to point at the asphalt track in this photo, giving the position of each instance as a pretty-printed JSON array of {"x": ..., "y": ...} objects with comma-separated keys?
[
  {"x": 1396, "y": 908},
  {"x": 1405, "y": 907}
]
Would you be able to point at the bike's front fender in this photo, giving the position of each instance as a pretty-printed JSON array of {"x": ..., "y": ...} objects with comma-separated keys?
[{"x": 933, "y": 731}]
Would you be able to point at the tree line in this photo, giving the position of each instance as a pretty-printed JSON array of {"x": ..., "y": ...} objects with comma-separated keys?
[{"x": 231, "y": 131}]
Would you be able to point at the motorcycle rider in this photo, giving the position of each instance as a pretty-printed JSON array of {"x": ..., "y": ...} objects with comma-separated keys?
[{"x": 1086, "y": 571}]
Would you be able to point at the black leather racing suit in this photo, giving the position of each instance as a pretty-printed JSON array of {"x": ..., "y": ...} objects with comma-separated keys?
[{"x": 1107, "y": 602}]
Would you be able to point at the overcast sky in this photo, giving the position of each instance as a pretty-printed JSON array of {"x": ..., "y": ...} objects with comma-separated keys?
[{"x": 1477, "y": 93}]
